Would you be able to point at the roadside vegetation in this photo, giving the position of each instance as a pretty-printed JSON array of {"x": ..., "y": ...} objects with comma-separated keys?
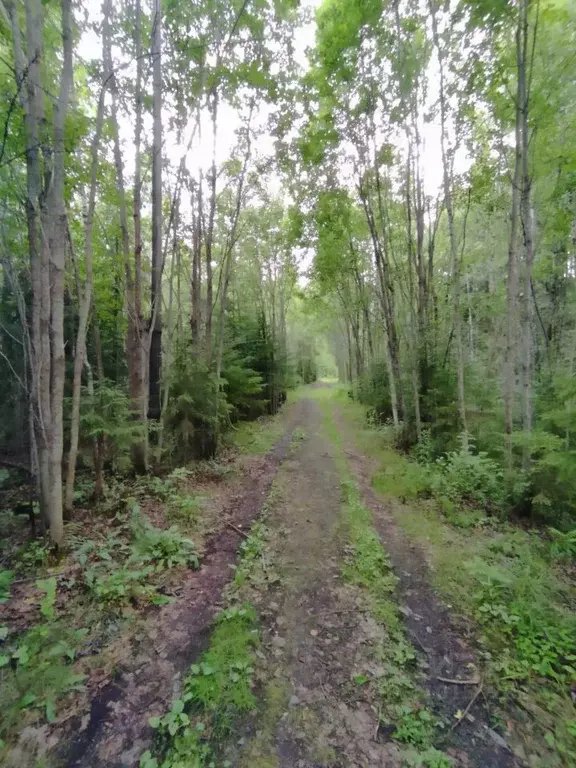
[
  {"x": 514, "y": 583},
  {"x": 68, "y": 620},
  {"x": 217, "y": 693}
]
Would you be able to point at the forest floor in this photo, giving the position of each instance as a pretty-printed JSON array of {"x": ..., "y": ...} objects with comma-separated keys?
[{"x": 327, "y": 625}]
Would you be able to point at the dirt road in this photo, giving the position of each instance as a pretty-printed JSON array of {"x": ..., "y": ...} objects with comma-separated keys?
[{"x": 338, "y": 683}]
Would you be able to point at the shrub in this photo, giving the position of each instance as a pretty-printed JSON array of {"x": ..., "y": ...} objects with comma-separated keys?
[
  {"x": 474, "y": 479},
  {"x": 107, "y": 415},
  {"x": 162, "y": 549},
  {"x": 197, "y": 409}
]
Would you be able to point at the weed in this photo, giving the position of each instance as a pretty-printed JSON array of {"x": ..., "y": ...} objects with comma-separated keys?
[
  {"x": 469, "y": 478},
  {"x": 36, "y": 669},
  {"x": 84, "y": 489},
  {"x": 216, "y": 692},
  {"x": 162, "y": 549},
  {"x": 299, "y": 435},
  {"x": 428, "y": 758},
  {"x": 424, "y": 448},
  {"x": 257, "y": 437},
  {"x": 255, "y": 567},
  {"x": 47, "y": 603},
  {"x": 184, "y": 508},
  {"x": 563, "y": 545},
  {"x": 6, "y": 578},
  {"x": 34, "y": 555},
  {"x": 414, "y": 725},
  {"x": 121, "y": 586}
]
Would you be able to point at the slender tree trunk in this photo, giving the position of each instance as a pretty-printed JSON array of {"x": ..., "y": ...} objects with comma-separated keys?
[
  {"x": 175, "y": 263},
  {"x": 84, "y": 312},
  {"x": 154, "y": 405},
  {"x": 512, "y": 293},
  {"x": 136, "y": 344},
  {"x": 47, "y": 232},
  {"x": 196, "y": 281},
  {"x": 455, "y": 259},
  {"x": 210, "y": 231},
  {"x": 524, "y": 76},
  {"x": 57, "y": 209},
  {"x": 228, "y": 256},
  {"x": 384, "y": 295}
]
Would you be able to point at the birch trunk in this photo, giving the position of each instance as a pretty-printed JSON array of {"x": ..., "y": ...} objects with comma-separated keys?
[
  {"x": 154, "y": 404},
  {"x": 210, "y": 232},
  {"x": 84, "y": 311},
  {"x": 454, "y": 257}
]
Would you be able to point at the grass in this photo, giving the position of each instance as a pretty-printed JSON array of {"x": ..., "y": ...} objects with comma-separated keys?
[
  {"x": 218, "y": 690},
  {"x": 401, "y": 699},
  {"x": 504, "y": 579},
  {"x": 257, "y": 438}
]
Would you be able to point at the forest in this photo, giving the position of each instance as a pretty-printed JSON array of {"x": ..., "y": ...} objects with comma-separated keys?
[{"x": 244, "y": 239}]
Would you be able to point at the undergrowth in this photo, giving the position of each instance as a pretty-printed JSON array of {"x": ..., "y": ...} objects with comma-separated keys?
[
  {"x": 218, "y": 689},
  {"x": 257, "y": 437},
  {"x": 38, "y": 667},
  {"x": 509, "y": 580},
  {"x": 402, "y": 701}
]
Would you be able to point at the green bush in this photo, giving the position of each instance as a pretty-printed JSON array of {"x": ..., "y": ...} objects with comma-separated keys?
[
  {"x": 107, "y": 415},
  {"x": 160, "y": 548},
  {"x": 121, "y": 585},
  {"x": 470, "y": 478},
  {"x": 197, "y": 408}
]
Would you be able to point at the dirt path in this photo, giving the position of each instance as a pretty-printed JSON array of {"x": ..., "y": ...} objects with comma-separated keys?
[
  {"x": 319, "y": 636},
  {"x": 316, "y": 636},
  {"x": 320, "y": 640},
  {"x": 116, "y": 731},
  {"x": 432, "y": 629}
]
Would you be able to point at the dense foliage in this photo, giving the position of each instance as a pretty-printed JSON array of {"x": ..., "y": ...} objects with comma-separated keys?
[
  {"x": 437, "y": 171},
  {"x": 145, "y": 311}
]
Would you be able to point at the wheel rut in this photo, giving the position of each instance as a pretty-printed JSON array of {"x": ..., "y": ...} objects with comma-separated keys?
[{"x": 116, "y": 730}]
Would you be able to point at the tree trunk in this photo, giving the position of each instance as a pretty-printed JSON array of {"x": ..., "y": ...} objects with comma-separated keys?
[
  {"x": 524, "y": 78},
  {"x": 154, "y": 404},
  {"x": 209, "y": 242},
  {"x": 135, "y": 338},
  {"x": 47, "y": 233},
  {"x": 84, "y": 312},
  {"x": 57, "y": 210},
  {"x": 455, "y": 259}
]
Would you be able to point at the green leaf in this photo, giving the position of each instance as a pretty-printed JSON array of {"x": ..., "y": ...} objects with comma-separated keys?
[
  {"x": 50, "y": 710},
  {"x": 28, "y": 699},
  {"x": 154, "y": 722}
]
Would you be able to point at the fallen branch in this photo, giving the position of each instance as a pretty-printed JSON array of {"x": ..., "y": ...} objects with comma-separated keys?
[
  {"x": 451, "y": 681},
  {"x": 468, "y": 708},
  {"x": 238, "y": 530}
]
